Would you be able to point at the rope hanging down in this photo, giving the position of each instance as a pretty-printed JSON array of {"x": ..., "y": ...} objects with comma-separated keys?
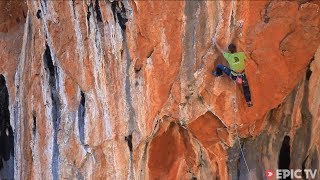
[{"x": 235, "y": 108}]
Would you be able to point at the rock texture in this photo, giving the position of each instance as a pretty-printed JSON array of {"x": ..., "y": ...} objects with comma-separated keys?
[{"x": 123, "y": 89}]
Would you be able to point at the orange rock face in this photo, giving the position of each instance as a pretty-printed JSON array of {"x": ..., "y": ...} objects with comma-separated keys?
[{"x": 124, "y": 90}]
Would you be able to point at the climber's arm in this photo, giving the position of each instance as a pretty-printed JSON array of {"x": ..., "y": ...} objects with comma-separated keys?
[
  {"x": 214, "y": 42},
  {"x": 219, "y": 48}
]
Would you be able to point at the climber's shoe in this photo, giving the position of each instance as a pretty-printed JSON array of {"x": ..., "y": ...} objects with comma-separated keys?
[
  {"x": 215, "y": 73},
  {"x": 249, "y": 104}
]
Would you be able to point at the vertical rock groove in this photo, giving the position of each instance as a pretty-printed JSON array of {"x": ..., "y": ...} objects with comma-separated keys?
[
  {"x": 129, "y": 141},
  {"x": 119, "y": 13},
  {"x": 34, "y": 123},
  {"x": 89, "y": 12},
  {"x": 189, "y": 40},
  {"x": 98, "y": 12},
  {"x": 81, "y": 117},
  {"x": 6, "y": 133},
  {"x": 51, "y": 69},
  {"x": 284, "y": 155}
]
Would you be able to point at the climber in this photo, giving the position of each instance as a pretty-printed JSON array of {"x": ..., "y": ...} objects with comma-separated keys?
[{"x": 236, "y": 70}]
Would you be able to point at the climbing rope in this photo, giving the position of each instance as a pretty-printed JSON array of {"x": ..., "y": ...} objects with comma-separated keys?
[{"x": 235, "y": 109}]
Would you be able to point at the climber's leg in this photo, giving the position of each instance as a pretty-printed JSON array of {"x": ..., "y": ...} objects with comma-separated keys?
[
  {"x": 246, "y": 90},
  {"x": 220, "y": 69}
]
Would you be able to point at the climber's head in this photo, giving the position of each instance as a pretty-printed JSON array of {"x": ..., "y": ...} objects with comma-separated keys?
[{"x": 232, "y": 48}]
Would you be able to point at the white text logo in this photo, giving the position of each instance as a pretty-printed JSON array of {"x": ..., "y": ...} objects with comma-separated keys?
[{"x": 292, "y": 173}]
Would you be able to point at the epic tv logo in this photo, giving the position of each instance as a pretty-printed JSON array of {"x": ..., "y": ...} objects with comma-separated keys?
[{"x": 292, "y": 173}]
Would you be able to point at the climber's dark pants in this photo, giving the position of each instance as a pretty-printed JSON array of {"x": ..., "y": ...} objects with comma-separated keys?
[{"x": 220, "y": 69}]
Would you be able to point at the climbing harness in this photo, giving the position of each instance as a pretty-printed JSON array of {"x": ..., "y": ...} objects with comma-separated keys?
[
  {"x": 235, "y": 109},
  {"x": 238, "y": 77}
]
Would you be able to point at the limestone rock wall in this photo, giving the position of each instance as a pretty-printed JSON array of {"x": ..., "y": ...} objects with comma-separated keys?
[{"x": 123, "y": 89}]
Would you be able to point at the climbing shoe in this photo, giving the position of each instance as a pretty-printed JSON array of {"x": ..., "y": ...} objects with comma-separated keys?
[
  {"x": 249, "y": 104},
  {"x": 215, "y": 73}
]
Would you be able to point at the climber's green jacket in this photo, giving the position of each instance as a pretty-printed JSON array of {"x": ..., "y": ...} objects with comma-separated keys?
[{"x": 235, "y": 60}]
